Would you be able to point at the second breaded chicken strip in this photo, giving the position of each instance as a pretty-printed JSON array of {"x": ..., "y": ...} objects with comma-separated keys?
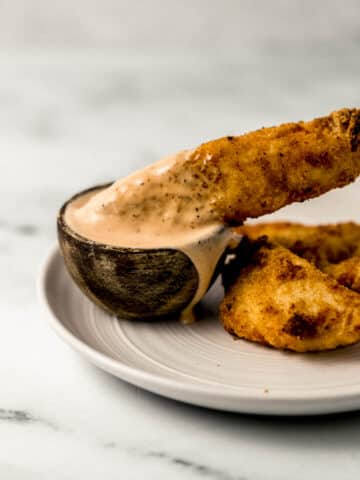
[
  {"x": 276, "y": 298},
  {"x": 334, "y": 249}
]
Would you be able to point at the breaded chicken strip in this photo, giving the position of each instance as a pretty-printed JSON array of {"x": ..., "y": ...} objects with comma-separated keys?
[
  {"x": 277, "y": 298},
  {"x": 334, "y": 249},
  {"x": 262, "y": 171},
  {"x": 320, "y": 244},
  {"x": 346, "y": 273}
]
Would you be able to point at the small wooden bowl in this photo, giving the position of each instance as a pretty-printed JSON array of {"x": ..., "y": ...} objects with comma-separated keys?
[{"x": 130, "y": 283}]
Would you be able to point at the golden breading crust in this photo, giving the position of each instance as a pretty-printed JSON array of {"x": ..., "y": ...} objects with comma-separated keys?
[
  {"x": 335, "y": 249},
  {"x": 262, "y": 171},
  {"x": 346, "y": 273},
  {"x": 278, "y": 298}
]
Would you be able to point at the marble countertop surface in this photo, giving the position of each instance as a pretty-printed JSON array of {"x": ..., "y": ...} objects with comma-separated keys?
[{"x": 69, "y": 120}]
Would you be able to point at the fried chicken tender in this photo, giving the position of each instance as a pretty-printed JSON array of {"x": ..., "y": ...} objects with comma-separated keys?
[
  {"x": 262, "y": 171},
  {"x": 277, "y": 298},
  {"x": 320, "y": 244},
  {"x": 347, "y": 272},
  {"x": 334, "y": 249}
]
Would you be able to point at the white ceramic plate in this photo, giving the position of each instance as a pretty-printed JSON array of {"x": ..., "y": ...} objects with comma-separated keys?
[{"x": 200, "y": 364}]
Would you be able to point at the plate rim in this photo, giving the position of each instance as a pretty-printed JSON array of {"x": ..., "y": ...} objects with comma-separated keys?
[{"x": 136, "y": 376}]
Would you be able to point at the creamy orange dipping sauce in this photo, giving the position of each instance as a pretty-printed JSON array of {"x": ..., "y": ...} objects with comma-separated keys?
[{"x": 163, "y": 205}]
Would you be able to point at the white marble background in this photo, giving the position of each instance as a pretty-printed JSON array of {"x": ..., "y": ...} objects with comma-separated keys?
[{"x": 90, "y": 90}]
